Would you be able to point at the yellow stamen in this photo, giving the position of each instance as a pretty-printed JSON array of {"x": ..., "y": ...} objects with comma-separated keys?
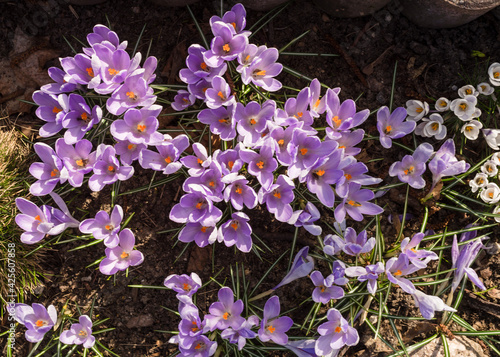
[
  {"x": 54, "y": 173},
  {"x": 234, "y": 25},
  {"x": 238, "y": 190},
  {"x": 316, "y": 104},
  {"x": 496, "y": 74},
  {"x": 303, "y": 151},
  {"x": 443, "y": 103},
  {"x": 131, "y": 95},
  {"x": 90, "y": 72},
  {"x": 112, "y": 71},
  {"x": 490, "y": 194},
  {"x": 199, "y": 161},
  {"x": 463, "y": 106},
  {"x": 300, "y": 114},
  {"x": 342, "y": 147},
  {"x": 435, "y": 126},
  {"x": 247, "y": 58},
  {"x": 124, "y": 255},
  {"x": 225, "y": 315},
  {"x": 419, "y": 110},
  {"x": 259, "y": 73},
  {"x": 226, "y": 48},
  {"x": 260, "y": 164},
  {"x": 271, "y": 329},
  {"x": 468, "y": 91},
  {"x": 337, "y": 121},
  {"x": 141, "y": 128},
  {"x": 480, "y": 181},
  {"x": 320, "y": 172},
  {"x": 468, "y": 128},
  {"x": 281, "y": 142},
  {"x": 353, "y": 203}
]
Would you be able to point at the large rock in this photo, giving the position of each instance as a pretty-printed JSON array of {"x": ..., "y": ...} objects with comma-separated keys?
[{"x": 460, "y": 346}]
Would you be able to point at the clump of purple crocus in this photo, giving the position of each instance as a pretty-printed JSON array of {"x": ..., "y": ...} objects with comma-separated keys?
[
  {"x": 104, "y": 227},
  {"x": 122, "y": 256},
  {"x": 412, "y": 167},
  {"x": 335, "y": 334},
  {"x": 393, "y": 125},
  {"x": 184, "y": 285},
  {"x": 79, "y": 333}
]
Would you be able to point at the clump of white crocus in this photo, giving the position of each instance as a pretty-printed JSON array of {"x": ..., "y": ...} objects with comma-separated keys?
[
  {"x": 442, "y": 104},
  {"x": 467, "y": 90},
  {"x": 416, "y": 109},
  {"x": 485, "y": 88},
  {"x": 492, "y": 137},
  {"x": 494, "y": 73},
  {"x": 490, "y": 193},
  {"x": 489, "y": 168},
  {"x": 471, "y": 129},
  {"x": 432, "y": 127},
  {"x": 465, "y": 108},
  {"x": 479, "y": 181}
]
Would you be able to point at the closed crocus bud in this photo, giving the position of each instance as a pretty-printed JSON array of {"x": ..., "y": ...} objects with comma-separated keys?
[{"x": 442, "y": 104}]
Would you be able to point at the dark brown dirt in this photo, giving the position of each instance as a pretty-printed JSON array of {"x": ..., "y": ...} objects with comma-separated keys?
[{"x": 428, "y": 64}]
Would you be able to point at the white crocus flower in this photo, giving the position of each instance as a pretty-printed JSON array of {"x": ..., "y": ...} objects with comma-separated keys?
[
  {"x": 442, "y": 104},
  {"x": 491, "y": 193},
  {"x": 485, "y": 88},
  {"x": 479, "y": 181},
  {"x": 489, "y": 168},
  {"x": 465, "y": 108},
  {"x": 467, "y": 90},
  {"x": 497, "y": 211},
  {"x": 492, "y": 137},
  {"x": 471, "y": 129},
  {"x": 496, "y": 158},
  {"x": 416, "y": 109},
  {"x": 494, "y": 73},
  {"x": 432, "y": 127}
]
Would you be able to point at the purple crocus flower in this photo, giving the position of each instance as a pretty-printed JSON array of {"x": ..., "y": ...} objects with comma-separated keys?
[
  {"x": 167, "y": 157},
  {"x": 392, "y": 125},
  {"x": 196, "y": 67},
  {"x": 197, "y": 206},
  {"x": 138, "y": 126},
  {"x": 261, "y": 164},
  {"x": 183, "y": 100},
  {"x": 302, "y": 348},
  {"x": 342, "y": 117},
  {"x": 462, "y": 260},
  {"x": 412, "y": 167},
  {"x": 78, "y": 160},
  {"x": 335, "y": 334},
  {"x": 295, "y": 110},
  {"x": 353, "y": 171},
  {"x": 252, "y": 120},
  {"x": 368, "y": 273},
  {"x": 444, "y": 163},
  {"x": 60, "y": 85},
  {"x": 317, "y": 105},
  {"x": 321, "y": 175},
  {"x": 263, "y": 69},
  {"x": 36, "y": 318},
  {"x": 278, "y": 198},
  {"x": 428, "y": 304},
  {"x": 199, "y": 88},
  {"x": 272, "y": 327},
  {"x": 198, "y": 162},
  {"x": 107, "y": 169},
  {"x": 48, "y": 172},
  {"x": 246, "y": 57},
  {"x": 225, "y": 312},
  {"x": 309, "y": 150},
  {"x": 51, "y": 109},
  {"x": 38, "y": 222},
  {"x": 122, "y": 256},
  {"x": 201, "y": 346},
  {"x": 104, "y": 227},
  {"x": 134, "y": 92},
  {"x": 191, "y": 325},
  {"x": 355, "y": 245},
  {"x": 128, "y": 152},
  {"x": 184, "y": 285},
  {"x": 236, "y": 17},
  {"x": 79, "y": 334},
  {"x": 356, "y": 204},
  {"x": 349, "y": 139},
  {"x": 302, "y": 265},
  {"x": 102, "y": 34},
  {"x": 220, "y": 94},
  {"x": 238, "y": 192},
  {"x": 200, "y": 234},
  {"x": 225, "y": 46},
  {"x": 285, "y": 153},
  {"x": 237, "y": 231},
  {"x": 420, "y": 257},
  {"x": 79, "y": 69},
  {"x": 79, "y": 119},
  {"x": 331, "y": 244},
  {"x": 211, "y": 179},
  {"x": 221, "y": 121},
  {"x": 397, "y": 268},
  {"x": 305, "y": 218},
  {"x": 325, "y": 290},
  {"x": 239, "y": 336}
]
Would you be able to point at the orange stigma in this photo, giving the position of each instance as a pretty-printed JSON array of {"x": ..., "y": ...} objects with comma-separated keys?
[
  {"x": 199, "y": 161},
  {"x": 54, "y": 173},
  {"x": 353, "y": 203},
  {"x": 226, "y": 48},
  {"x": 398, "y": 272},
  {"x": 388, "y": 129},
  {"x": 230, "y": 164},
  {"x": 225, "y": 315},
  {"x": 277, "y": 194},
  {"x": 37, "y": 218},
  {"x": 168, "y": 159},
  {"x": 419, "y": 110},
  {"x": 253, "y": 121},
  {"x": 141, "y": 127},
  {"x": 84, "y": 116},
  {"x": 320, "y": 172},
  {"x": 259, "y": 73},
  {"x": 111, "y": 168},
  {"x": 303, "y": 151},
  {"x": 40, "y": 323},
  {"x": 338, "y": 329},
  {"x": 260, "y": 164},
  {"x": 112, "y": 71},
  {"x": 203, "y": 229},
  {"x": 271, "y": 329},
  {"x": 131, "y": 146},
  {"x": 221, "y": 95},
  {"x": 131, "y": 95},
  {"x": 203, "y": 66},
  {"x": 281, "y": 142},
  {"x": 108, "y": 227},
  {"x": 186, "y": 287},
  {"x": 235, "y": 225},
  {"x": 337, "y": 121},
  {"x": 199, "y": 205},
  {"x": 348, "y": 177},
  {"x": 90, "y": 72},
  {"x": 124, "y": 255},
  {"x": 56, "y": 110},
  {"x": 238, "y": 190}
]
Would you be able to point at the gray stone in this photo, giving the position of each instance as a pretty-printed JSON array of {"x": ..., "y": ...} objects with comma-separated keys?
[{"x": 460, "y": 346}]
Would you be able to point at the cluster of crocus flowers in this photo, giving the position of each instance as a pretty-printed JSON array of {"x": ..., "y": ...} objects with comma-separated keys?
[
  {"x": 39, "y": 320},
  {"x": 224, "y": 316}
]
